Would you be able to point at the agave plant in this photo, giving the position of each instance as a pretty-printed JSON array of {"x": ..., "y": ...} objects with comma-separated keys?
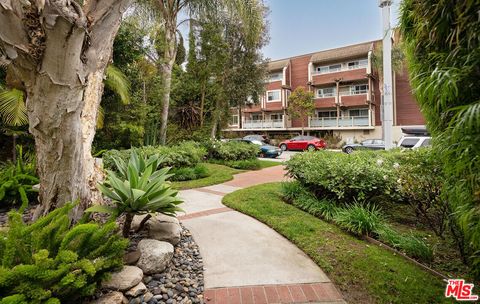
[{"x": 138, "y": 188}]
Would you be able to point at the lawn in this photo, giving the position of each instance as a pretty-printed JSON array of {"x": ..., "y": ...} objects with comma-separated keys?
[
  {"x": 268, "y": 163},
  {"x": 218, "y": 175},
  {"x": 364, "y": 273}
]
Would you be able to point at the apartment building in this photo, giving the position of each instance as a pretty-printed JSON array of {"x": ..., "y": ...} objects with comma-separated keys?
[{"x": 347, "y": 96}]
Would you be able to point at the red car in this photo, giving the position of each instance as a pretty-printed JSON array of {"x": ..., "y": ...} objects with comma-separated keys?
[{"x": 303, "y": 143}]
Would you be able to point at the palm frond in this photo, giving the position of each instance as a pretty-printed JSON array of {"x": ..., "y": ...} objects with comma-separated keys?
[
  {"x": 12, "y": 108},
  {"x": 118, "y": 83}
]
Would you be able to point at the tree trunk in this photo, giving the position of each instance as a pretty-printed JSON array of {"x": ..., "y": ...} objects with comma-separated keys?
[
  {"x": 54, "y": 116},
  {"x": 166, "y": 71},
  {"x": 62, "y": 69},
  {"x": 202, "y": 103}
]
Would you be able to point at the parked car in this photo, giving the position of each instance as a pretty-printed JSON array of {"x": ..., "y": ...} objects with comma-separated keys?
[
  {"x": 266, "y": 150},
  {"x": 310, "y": 143},
  {"x": 414, "y": 142},
  {"x": 368, "y": 144},
  {"x": 262, "y": 138}
]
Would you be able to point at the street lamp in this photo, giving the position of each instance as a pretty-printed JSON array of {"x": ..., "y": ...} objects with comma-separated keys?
[{"x": 387, "y": 122}]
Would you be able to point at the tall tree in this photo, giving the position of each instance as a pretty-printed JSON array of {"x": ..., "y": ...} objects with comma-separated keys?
[
  {"x": 301, "y": 105},
  {"x": 169, "y": 12},
  {"x": 60, "y": 49}
]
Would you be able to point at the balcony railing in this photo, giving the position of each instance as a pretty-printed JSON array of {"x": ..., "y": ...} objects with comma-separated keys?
[
  {"x": 263, "y": 124},
  {"x": 335, "y": 122}
]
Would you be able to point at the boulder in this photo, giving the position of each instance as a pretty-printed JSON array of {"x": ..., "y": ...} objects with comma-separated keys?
[
  {"x": 132, "y": 257},
  {"x": 154, "y": 255},
  {"x": 160, "y": 227},
  {"x": 165, "y": 228},
  {"x": 125, "y": 279},
  {"x": 114, "y": 297},
  {"x": 137, "y": 290}
]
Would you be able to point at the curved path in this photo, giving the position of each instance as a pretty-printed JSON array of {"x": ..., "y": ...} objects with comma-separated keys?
[{"x": 245, "y": 260}]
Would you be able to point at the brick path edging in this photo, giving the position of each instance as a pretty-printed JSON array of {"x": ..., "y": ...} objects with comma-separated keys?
[{"x": 268, "y": 294}]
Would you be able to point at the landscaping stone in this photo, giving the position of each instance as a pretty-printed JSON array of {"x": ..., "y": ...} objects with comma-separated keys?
[
  {"x": 132, "y": 257},
  {"x": 154, "y": 255},
  {"x": 160, "y": 227},
  {"x": 114, "y": 297},
  {"x": 125, "y": 279},
  {"x": 137, "y": 290}
]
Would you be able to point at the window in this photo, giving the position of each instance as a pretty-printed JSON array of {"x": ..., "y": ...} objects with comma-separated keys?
[
  {"x": 273, "y": 95},
  {"x": 378, "y": 142},
  {"x": 409, "y": 142},
  {"x": 256, "y": 116},
  {"x": 277, "y": 117},
  {"x": 358, "y": 64},
  {"x": 327, "y": 114},
  {"x": 326, "y": 92},
  {"x": 275, "y": 77},
  {"x": 359, "y": 89},
  {"x": 329, "y": 68},
  {"x": 358, "y": 112},
  {"x": 367, "y": 142},
  {"x": 234, "y": 120}
]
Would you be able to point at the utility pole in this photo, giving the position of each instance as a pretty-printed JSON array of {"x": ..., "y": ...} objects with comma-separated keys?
[{"x": 387, "y": 122}]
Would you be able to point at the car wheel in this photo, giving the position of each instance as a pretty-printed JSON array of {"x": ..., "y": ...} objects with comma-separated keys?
[
  {"x": 283, "y": 147},
  {"x": 311, "y": 148},
  {"x": 348, "y": 150}
]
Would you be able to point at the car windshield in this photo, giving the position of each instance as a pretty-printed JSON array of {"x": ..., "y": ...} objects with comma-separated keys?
[{"x": 257, "y": 142}]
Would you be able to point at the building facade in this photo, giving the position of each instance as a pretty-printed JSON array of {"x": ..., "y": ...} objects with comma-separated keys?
[{"x": 347, "y": 97}]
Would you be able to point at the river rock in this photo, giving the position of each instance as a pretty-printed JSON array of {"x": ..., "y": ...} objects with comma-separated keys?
[
  {"x": 154, "y": 255},
  {"x": 124, "y": 279},
  {"x": 114, "y": 297}
]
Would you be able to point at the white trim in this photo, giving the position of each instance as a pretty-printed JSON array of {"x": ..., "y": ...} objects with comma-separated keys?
[
  {"x": 310, "y": 68},
  {"x": 284, "y": 78},
  {"x": 275, "y": 100},
  {"x": 343, "y": 67}
]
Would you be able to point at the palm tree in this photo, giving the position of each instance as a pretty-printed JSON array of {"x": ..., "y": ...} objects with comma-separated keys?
[{"x": 169, "y": 11}]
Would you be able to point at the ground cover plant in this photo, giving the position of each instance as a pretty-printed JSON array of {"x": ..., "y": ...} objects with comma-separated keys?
[
  {"x": 50, "y": 262},
  {"x": 365, "y": 273}
]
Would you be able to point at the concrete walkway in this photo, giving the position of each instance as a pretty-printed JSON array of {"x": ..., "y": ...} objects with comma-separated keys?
[{"x": 246, "y": 261}]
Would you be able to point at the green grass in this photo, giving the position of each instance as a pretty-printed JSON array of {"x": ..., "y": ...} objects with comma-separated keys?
[
  {"x": 217, "y": 175},
  {"x": 269, "y": 163},
  {"x": 365, "y": 273}
]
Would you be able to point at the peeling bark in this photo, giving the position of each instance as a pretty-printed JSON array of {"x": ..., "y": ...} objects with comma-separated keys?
[{"x": 61, "y": 58}]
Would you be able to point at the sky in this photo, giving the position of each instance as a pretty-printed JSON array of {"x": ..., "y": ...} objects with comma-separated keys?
[{"x": 304, "y": 26}]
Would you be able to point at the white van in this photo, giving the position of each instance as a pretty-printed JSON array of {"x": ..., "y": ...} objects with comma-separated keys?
[{"x": 414, "y": 142}]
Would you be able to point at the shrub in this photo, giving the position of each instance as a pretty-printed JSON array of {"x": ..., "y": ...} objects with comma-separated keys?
[
  {"x": 359, "y": 176},
  {"x": 301, "y": 198},
  {"x": 140, "y": 189},
  {"x": 244, "y": 164},
  {"x": 186, "y": 154},
  {"x": 231, "y": 150},
  {"x": 420, "y": 183},
  {"x": 410, "y": 244},
  {"x": 188, "y": 173},
  {"x": 17, "y": 181},
  {"x": 359, "y": 219},
  {"x": 49, "y": 262}
]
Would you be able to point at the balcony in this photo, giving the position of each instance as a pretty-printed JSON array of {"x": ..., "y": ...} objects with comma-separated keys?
[
  {"x": 339, "y": 122},
  {"x": 263, "y": 124},
  {"x": 344, "y": 74}
]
